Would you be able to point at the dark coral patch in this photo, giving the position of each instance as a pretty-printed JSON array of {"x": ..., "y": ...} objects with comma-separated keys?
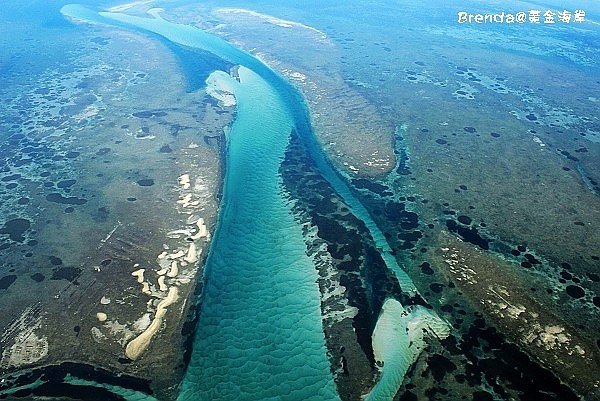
[
  {"x": 150, "y": 114},
  {"x": 15, "y": 229},
  {"x": 69, "y": 200},
  {"x": 72, "y": 155},
  {"x": 7, "y": 281},
  {"x": 482, "y": 396},
  {"x": 575, "y": 291},
  {"x": 436, "y": 287},
  {"x": 379, "y": 189},
  {"x": 440, "y": 366},
  {"x": 165, "y": 149},
  {"x": 66, "y": 183},
  {"x": 468, "y": 234},
  {"x": 102, "y": 151},
  {"x": 531, "y": 259},
  {"x": 464, "y": 220},
  {"x": 37, "y": 277},
  {"x": 146, "y": 182},
  {"x": 426, "y": 268},
  {"x": 66, "y": 273},
  {"x": 12, "y": 177},
  {"x": 531, "y": 117},
  {"x": 55, "y": 261}
]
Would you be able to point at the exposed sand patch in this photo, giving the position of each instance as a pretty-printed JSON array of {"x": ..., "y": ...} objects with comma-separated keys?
[
  {"x": 146, "y": 288},
  {"x": 139, "y": 275},
  {"x": 142, "y": 323},
  {"x": 176, "y": 255},
  {"x": 27, "y": 349},
  {"x": 118, "y": 331},
  {"x": 202, "y": 230},
  {"x": 184, "y": 181},
  {"x": 97, "y": 335},
  {"x": 192, "y": 254},
  {"x": 219, "y": 85},
  {"x": 174, "y": 270},
  {"x": 161, "y": 283},
  {"x": 185, "y": 200},
  {"x": 127, "y": 6},
  {"x": 176, "y": 234},
  {"x": 138, "y": 345},
  {"x": 398, "y": 339}
]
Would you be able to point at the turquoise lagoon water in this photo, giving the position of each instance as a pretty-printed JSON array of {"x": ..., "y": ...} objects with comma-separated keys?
[
  {"x": 259, "y": 335},
  {"x": 195, "y": 38}
]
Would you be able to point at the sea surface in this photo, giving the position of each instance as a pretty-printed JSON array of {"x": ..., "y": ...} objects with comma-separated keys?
[{"x": 466, "y": 268}]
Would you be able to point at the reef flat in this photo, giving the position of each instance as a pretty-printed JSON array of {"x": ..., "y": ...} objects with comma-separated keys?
[
  {"x": 396, "y": 222},
  {"x": 110, "y": 190},
  {"x": 485, "y": 150}
]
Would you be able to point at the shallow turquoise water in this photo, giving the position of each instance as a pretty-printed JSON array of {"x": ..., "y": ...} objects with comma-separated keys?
[
  {"x": 193, "y": 37},
  {"x": 260, "y": 334},
  {"x": 264, "y": 309}
]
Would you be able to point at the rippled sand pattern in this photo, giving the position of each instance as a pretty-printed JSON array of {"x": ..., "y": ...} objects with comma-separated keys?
[{"x": 259, "y": 335}]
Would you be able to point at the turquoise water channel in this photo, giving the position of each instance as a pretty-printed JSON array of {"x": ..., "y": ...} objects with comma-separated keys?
[{"x": 260, "y": 335}]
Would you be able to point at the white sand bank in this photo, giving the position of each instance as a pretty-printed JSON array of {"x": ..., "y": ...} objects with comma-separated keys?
[
  {"x": 270, "y": 19},
  {"x": 398, "y": 339},
  {"x": 220, "y": 86},
  {"x": 138, "y": 345}
]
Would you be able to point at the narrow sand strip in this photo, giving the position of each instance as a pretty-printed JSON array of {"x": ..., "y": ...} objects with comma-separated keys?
[
  {"x": 127, "y": 6},
  {"x": 270, "y": 19},
  {"x": 139, "y": 275},
  {"x": 138, "y": 345}
]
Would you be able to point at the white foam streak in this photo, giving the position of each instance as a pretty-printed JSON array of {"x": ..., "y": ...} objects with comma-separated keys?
[{"x": 270, "y": 19}]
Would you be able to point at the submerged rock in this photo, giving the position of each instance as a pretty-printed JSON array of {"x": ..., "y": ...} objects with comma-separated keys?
[{"x": 15, "y": 229}]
